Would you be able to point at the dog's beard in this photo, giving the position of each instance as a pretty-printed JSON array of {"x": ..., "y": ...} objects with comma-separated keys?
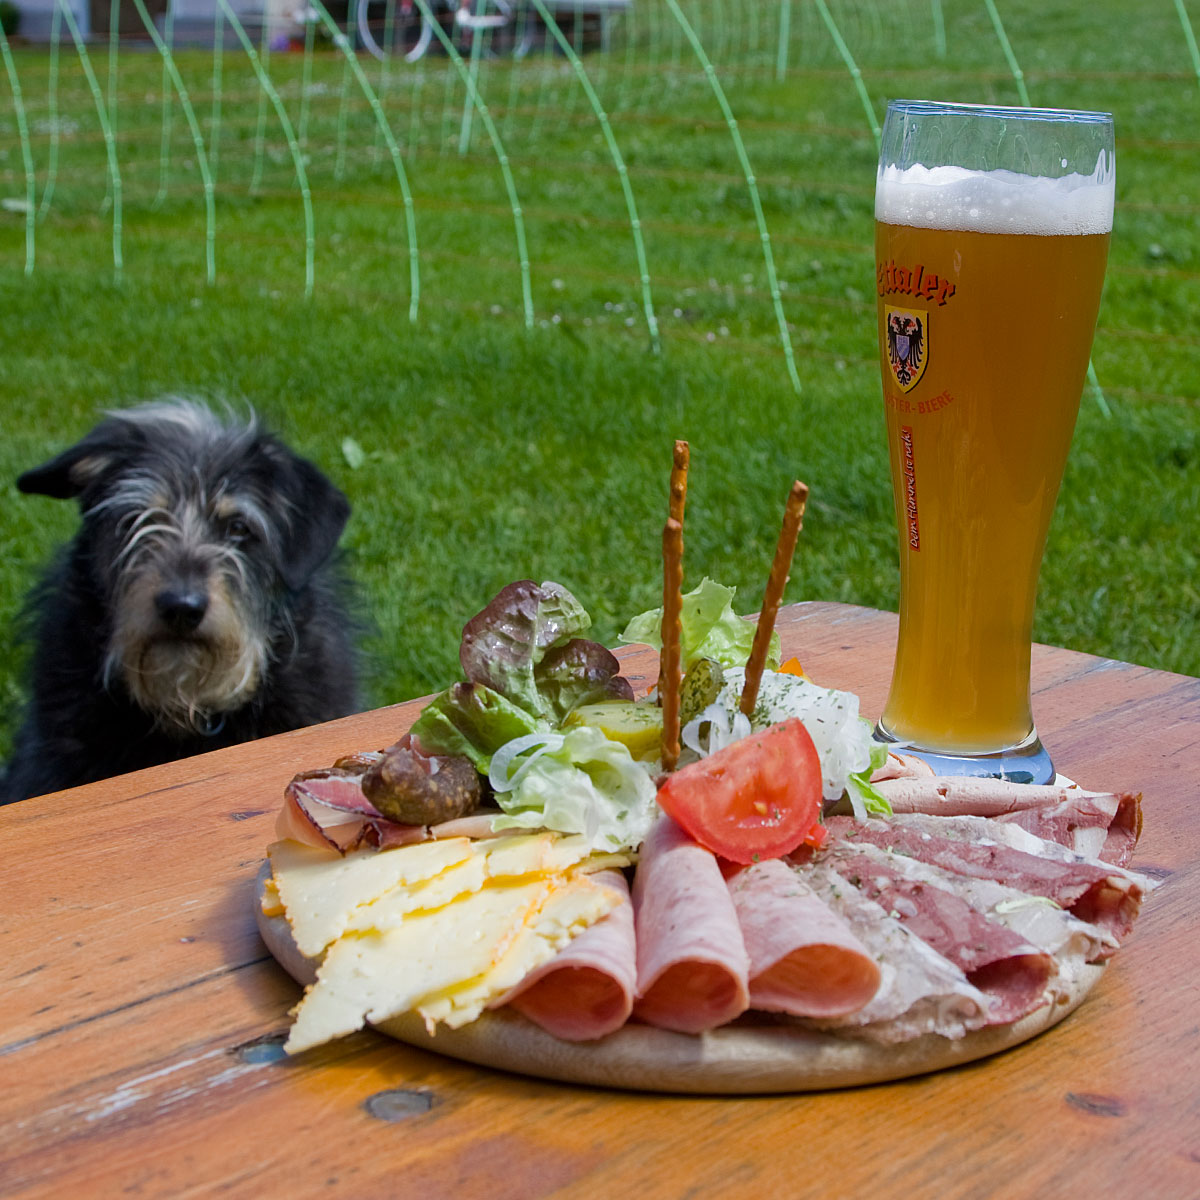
[{"x": 186, "y": 682}]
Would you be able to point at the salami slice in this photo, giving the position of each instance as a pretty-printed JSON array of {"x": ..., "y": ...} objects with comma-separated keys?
[
  {"x": 587, "y": 989},
  {"x": 804, "y": 958},
  {"x": 691, "y": 960}
]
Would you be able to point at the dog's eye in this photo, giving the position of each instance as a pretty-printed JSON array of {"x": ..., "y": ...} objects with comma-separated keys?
[{"x": 237, "y": 530}]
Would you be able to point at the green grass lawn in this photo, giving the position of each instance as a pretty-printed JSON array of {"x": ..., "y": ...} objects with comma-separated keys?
[{"x": 492, "y": 450}]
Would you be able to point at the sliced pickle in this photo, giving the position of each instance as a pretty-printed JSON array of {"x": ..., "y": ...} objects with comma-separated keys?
[
  {"x": 637, "y": 726},
  {"x": 701, "y": 686}
]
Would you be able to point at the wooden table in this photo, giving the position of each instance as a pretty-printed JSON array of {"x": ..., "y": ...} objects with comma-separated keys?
[{"x": 142, "y": 1017}]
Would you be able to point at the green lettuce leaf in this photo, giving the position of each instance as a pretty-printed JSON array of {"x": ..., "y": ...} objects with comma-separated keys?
[
  {"x": 861, "y": 791},
  {"x": 523, "y": 646},
  {"x": 581, "y": 672},
  {"x": 710, "y": 629},
  {"x": 503, "y": 644},
  {"x": 470, "y": 719},
  {"x": 575, "y": 782}
]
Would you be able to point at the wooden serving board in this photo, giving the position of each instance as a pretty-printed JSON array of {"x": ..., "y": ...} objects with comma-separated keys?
[{"x": 754, "y": 1055}]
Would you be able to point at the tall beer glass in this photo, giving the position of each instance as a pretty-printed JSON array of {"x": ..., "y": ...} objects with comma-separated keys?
[{"x": 991, "y": 235}]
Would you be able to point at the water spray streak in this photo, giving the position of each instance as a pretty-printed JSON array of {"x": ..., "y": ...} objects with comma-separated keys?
[
  {"x": 218, "y": 75},
  {"x": 1189, "y": 36},
  {"x": 852, "y": 67},
  {"x": 520, "y": 49},
  {"x": 285, "y": 123},
  {"x": 110, "y": 146},
  {"x": 939, "y": 28},
  {"x": 342, "y": 42},
  {"x": 52, "y": 115},
  {"x": 310, "y": 33},
  {"x": 493, "y": 133},
  {"x": 635, "y": 223},
  {"x": 1017, "y": 74},
  {"x": 26, "y": 151},
  {"x": 416, "y": 108},
  {"x": 743, "y": 158},
  {"x": 260, "y": 116},
  {"x": 785, "y": 37},
  {"x": 543, "y": 85},
  {"x": 567, "y": 109},
  {"x": 114, "y": 11},
  {"x": 164, "y": 142},
  {"x": 464, "y": 131},
  {"x": 385, "y": 70},
  {"x": 210, "y": 211},
  {"x": 339, "y": 156}
]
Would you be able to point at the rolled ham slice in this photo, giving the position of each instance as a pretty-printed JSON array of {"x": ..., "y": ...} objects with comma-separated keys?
[
  {"x": 804, "y": 958},
  {"x": 692, "y": 965},
  {"x": 586, "y": 991}
]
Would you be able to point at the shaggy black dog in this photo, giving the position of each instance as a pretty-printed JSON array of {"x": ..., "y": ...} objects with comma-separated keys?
[{"x": 199, "y": 604}]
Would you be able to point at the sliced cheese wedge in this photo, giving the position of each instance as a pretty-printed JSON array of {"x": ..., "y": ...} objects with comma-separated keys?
[
  {"x": 312, "y": 883},
  {"x": 530, "y": 853},
  {"x": 321, "y": 890},
  {"x": 573, "y": 904},
  {"x": 397, "y": 905},
  {"x": 271, "y": 904},
  {"x": 372, "y": 976}
]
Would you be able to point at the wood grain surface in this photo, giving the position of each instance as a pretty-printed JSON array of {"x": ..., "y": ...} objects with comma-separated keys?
[{"x": 142, "y": 1016}]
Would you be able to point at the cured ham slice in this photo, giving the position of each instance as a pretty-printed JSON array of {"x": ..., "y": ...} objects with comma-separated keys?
[
  {"x": 587, "y": 989},
  {"x": 1039, "y": 921},
  {"x": 692, "y": 965},
  {"x": 920, "y": 991},
  {"x": 804, "y": 958},
  {"x": 1094, "y": 824},
  {"x": 1095, "y": 892},
  {"x": 328, "y": 810},
  {"x": 1098, "y": 824},
  {"x": 1000, "y": 962},
  {"x": 1011, "y": 833}
]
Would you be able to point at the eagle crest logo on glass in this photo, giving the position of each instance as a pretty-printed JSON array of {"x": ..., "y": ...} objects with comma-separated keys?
[{"x": 907, "y": 345}]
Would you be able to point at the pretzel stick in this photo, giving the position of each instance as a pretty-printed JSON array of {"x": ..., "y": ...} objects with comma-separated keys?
[
  {"x": 677, "y": 500},
  {"x": 793, "y": 516},
  {"x": 679, "y": 476},
  {"x": 668, "y": 675}
]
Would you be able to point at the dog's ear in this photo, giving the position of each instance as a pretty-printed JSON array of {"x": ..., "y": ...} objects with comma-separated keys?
[
  {"x": 318, "y": 513},
  {"x": 72, "y": 472}
]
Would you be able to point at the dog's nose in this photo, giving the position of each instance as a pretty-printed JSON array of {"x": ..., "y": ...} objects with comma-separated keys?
[{"x": 181, "y": 610}]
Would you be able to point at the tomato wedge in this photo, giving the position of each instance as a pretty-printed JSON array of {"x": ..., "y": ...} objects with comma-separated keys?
[{"x": 758, "y": 798}]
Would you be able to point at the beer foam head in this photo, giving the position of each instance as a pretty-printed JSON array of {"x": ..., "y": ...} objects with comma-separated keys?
[{"x": 995, "y": 201}]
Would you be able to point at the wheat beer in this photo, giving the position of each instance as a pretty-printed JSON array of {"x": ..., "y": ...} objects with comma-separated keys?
[{"x": 988, "y": 286}]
